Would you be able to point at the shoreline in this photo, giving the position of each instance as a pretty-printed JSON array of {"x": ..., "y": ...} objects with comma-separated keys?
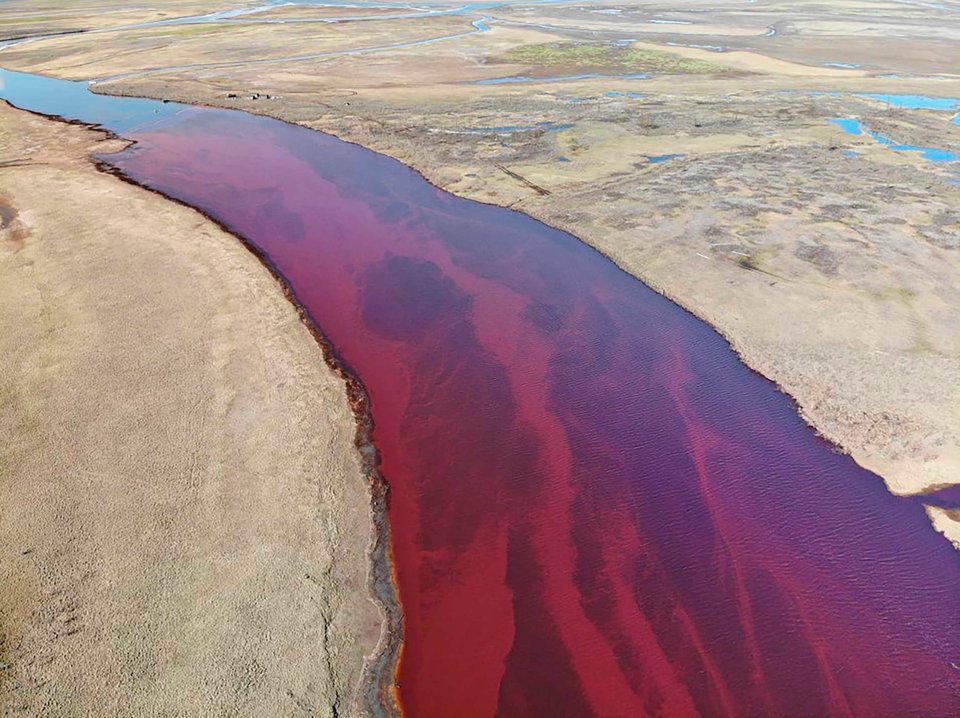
[
  {"x": 751, "y": 362},
  {"x": 377, "y": 679},
  {"x": 75, "y": 152},
  {"x": 380, "y": 670},
  {"x": 376, "y": 683}
]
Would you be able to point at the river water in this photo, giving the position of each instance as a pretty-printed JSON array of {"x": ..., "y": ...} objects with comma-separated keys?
[{"x": 595, "y": 508}]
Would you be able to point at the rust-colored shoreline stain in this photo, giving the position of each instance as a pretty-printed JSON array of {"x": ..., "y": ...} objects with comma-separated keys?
[{"x": 594, "y": 507}]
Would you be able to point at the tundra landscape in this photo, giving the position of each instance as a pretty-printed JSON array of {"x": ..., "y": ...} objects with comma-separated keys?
[{"x": 214, "y": 505}]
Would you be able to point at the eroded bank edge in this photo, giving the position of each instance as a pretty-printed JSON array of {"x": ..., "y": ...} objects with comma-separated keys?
[{"x": 376, "y": 694}]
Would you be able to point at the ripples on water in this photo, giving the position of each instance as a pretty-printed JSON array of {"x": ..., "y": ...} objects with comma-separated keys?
[{"x": 596, "y": 508}]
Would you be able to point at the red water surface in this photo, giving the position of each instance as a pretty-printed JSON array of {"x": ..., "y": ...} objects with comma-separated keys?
[{"x": 596, "y": 509}]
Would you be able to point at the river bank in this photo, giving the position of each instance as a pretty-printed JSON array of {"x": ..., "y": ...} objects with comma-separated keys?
[
  {"x": 187, "y": 518},
  {"x": 547, "y": 425},
  {"x": 828, "y": 263}
]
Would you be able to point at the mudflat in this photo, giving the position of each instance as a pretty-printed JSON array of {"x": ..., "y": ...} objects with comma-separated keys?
[{"x": 185, "y": 519}]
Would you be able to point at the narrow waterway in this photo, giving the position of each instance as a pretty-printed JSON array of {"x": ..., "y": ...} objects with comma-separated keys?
[{"x": 595, "y": 508}]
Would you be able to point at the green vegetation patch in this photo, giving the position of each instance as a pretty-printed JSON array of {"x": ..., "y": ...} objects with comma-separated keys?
[{"x": 597, "y": 56}]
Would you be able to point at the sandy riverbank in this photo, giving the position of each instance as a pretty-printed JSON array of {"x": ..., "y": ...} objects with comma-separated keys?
[{"x": 186, "y": 521}]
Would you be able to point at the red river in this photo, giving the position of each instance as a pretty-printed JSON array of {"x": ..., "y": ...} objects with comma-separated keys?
[{"x": 595, "y": 509}]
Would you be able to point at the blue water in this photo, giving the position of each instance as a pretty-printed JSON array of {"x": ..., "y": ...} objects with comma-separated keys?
[
  {"x": 628, "y": 95},
  {"x": 917, "y": 102},
  {"x": 117, "y": 114},
  {"x": 853, "y": 126},
  {"x": 660, "y": 159}
]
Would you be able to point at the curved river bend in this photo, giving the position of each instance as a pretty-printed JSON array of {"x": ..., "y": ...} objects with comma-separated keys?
[{"x": 595, "y": 508}]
